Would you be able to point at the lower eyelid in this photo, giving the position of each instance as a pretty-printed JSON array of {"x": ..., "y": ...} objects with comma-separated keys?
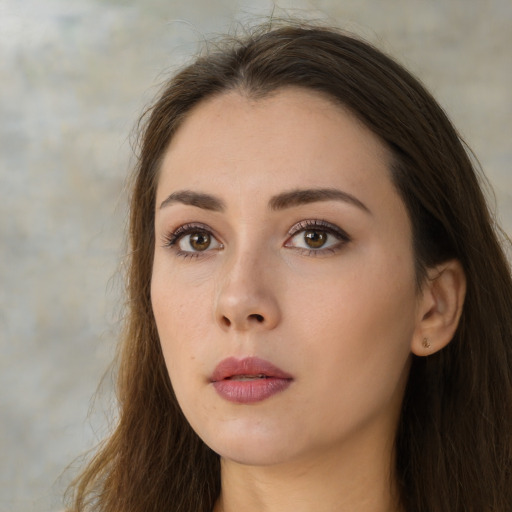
[
  {"x": 189, "y": 255},
  {"x": 317, "y": 253}
]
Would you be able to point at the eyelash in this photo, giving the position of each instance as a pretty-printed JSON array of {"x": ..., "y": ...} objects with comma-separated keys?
[
  {"x": 171, "y": 239},
  {"x": 322, "y": 226}
]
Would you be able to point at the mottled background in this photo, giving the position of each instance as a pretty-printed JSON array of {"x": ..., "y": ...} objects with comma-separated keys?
[{"x": 74, "y": 75}]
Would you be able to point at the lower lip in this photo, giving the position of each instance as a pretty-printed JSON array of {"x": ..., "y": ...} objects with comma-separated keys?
[{"x": 250, "y": 391}]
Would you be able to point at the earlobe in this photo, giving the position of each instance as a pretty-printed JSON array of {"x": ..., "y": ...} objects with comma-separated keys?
[{"x": 439, "y": 308}]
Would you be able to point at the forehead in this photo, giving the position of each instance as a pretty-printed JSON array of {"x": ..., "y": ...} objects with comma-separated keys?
[{"x": 293, "y": 137}]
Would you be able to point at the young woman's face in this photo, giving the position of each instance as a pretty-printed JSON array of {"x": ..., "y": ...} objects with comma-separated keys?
[{"x": 283, "y": 283}]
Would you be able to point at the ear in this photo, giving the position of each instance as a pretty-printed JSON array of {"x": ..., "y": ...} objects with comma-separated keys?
[{"x": 439, "y": 308}]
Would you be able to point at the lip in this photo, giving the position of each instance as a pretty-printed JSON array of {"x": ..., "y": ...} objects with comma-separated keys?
[{"x": 248, "y": 380}]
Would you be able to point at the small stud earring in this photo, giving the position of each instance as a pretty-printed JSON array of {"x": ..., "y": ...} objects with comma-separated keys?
[{"x": 426, "y": 343}]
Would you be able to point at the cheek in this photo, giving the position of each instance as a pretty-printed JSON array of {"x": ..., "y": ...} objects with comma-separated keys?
[
  {"x": 359, "y": 324},
  {"x": 182, "y": 314},
  {"x": 373, "y": 296}
]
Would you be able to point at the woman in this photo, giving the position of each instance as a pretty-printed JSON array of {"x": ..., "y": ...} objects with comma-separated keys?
[{"x": 319, "y": 305}]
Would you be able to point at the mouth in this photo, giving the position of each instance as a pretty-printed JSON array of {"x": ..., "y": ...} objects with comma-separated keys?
[
  {"x": 248, "y": 377},
  {"x": 248, "y": 380},
  {"x": 249, "y": 368}
]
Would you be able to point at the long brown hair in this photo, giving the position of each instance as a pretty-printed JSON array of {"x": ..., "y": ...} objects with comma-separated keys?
[{"x": 454, "y": 442}]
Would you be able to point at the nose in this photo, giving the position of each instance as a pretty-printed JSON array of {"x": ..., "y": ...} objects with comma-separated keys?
[{"x": 247, "y": 296}]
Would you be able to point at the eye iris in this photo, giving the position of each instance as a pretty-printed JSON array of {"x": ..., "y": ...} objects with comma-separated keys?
[
  {"x": 315, "y": 239},
  {"x": 200, "y": 241}
]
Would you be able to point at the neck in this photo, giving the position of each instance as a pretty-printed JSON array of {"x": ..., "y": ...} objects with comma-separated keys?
[{"x": 342, "y": 480}]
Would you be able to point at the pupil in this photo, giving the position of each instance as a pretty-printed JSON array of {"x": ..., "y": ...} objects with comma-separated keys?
[
  {"x": 200, "y": 241},
  {"x": 315, "y": 239}
]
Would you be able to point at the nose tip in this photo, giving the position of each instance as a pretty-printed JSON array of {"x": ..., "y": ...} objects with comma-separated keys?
[{"x": 242, "y": 305}]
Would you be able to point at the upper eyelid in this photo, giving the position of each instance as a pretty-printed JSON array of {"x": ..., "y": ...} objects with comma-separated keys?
[
  {"x": 190, "y": 226},
  {"x": 321, "y": 225}
]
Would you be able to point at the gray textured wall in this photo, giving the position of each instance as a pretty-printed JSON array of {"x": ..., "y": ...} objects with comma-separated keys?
[{"x": 74, "y": 75}]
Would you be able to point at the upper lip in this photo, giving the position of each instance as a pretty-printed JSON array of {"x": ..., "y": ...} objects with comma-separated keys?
[{"x": 232, "y": 367}]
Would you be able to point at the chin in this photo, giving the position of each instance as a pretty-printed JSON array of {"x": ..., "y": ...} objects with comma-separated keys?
[
  {"x": 251, "y": 447},
  {"x": 254, "y": 455}
]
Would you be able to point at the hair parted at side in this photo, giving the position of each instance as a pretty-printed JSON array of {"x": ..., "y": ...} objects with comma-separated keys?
[{"x": 454, "y": 442}]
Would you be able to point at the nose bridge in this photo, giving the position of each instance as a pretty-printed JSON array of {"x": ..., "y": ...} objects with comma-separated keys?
[{"x": 247, "y": 295}]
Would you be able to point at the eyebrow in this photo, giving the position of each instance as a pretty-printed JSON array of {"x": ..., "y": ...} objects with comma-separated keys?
[
  {"x": 313, "y": 195},
  {"x": 204, "y": 201},
  {"x": 278, "y": 202}
]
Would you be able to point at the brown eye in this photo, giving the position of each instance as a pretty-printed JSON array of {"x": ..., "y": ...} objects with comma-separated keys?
[
  {"x": 314, "y": 238},
  {"x": 197, "y": 241},
  {"x": 200, "y": 241}
]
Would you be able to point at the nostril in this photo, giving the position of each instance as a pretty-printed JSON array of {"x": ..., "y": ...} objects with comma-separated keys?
[{"x": 257, "y": 318}]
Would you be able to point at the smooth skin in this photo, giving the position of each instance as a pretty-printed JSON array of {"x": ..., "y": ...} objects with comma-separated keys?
[{"x": 321, "y": 284}]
